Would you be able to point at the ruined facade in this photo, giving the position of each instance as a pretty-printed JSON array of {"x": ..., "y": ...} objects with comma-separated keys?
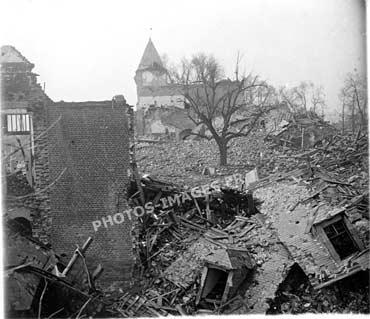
[
  {"x": 65, "y": 165},
  {"x": 25, "y": 145}
]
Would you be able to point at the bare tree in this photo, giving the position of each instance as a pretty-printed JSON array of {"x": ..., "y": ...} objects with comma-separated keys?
[
  {"x": 227, "y": 108},
  {"x": 354, "y": 100},
  {"x": 304, "y": 97}
]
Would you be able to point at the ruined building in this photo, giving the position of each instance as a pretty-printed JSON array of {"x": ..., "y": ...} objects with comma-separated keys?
[
  {"x": 65, "y": 165},
  {"x": 162, "y": 108},
  {"x": 160, "y": 103},
  {"x": 24, "y": 143}
]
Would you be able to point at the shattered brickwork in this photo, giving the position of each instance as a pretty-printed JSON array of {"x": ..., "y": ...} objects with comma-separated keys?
[
  {"x": 91, "y": 141},
  {"x": 42, "y": 220},
  {"x": 89, "y": 161},
  {"x": 20, "y": 90}
]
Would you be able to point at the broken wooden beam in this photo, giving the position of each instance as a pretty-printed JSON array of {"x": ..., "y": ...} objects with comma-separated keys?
[
  {"x": 76, "y": 253},
  {"x": 181, "y": 311},
  {"x": 251, "y": 209}
]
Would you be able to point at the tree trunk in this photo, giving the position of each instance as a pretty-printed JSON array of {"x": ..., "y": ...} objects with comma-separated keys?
[
  {"x": 343, "y": 118},
  {"x": 353, "y": 114},
  {"x": 222, "y": 146}
]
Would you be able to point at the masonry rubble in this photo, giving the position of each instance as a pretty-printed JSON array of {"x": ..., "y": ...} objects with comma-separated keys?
[
  {"x": 238, "y": 249},
  {"x": 183, "y": 260},
  {"x": 39, "y": 284},
  {"x": 290, "y": 234}
]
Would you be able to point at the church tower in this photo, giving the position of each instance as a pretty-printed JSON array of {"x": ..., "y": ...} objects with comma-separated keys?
[
  {"x": 156, "y": 95},
  {"x": 150, "y": 72}
]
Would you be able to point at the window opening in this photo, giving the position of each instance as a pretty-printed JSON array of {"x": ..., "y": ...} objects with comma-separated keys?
[
  {"x": 341, "y": 239},
  {"x": 17, "y": 123}
]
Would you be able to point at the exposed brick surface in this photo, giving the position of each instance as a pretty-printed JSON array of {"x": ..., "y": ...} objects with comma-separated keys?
[
  {"x": 41, "y": 220},
  {"x": 89, "y": 144},
  {"x": 20, "y": 90},
  {"x": 90, "y": 141}
]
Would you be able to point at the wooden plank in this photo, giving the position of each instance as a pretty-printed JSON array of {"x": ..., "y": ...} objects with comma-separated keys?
[
  {"x": 75, "y": 256},
  {"x": 181, "y": 310},
  {"x": 233, "y": 223},
  {"x": 219, "y": 231},
  {"x": 190, "y": 223},
  {"x": 217, "y": 237},
  {"x": 246, "y": 231},
  {"x": 97, "y": 272},
  {"x": 157, "y": 198},
  {"x": 196, "y": 205},
  {"x": 165, "y": 294},
  {"x": 250, "y": 202},
  {"x": 332, "y": 281},
  {"x": 242, "y": 218},
  {"x": 49, "y": 276},
  {"x": 215, "y": 242},
  {"x": 136, "y": 299},
  {"x": 311, "y": 219}
]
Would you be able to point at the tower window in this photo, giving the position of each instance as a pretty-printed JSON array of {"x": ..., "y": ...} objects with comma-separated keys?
[
  {"x": 17, "y": 124},
  {"x": 341, "y": 239}
]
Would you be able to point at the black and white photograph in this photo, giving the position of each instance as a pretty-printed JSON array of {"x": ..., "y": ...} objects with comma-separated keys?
[{"x": 184, "y": 158}]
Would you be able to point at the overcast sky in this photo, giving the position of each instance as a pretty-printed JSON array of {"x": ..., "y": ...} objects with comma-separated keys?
[{"x": 89, "y": 50}]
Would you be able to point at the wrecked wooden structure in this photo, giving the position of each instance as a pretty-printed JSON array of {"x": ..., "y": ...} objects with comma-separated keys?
[
  {"x": 233, "y": 250},
  {"x": 242, "y": 247},
  {"x": 300, "y": 130},
  {"x": 314, "y": 216},
  {"x": 39, "y": 284}
]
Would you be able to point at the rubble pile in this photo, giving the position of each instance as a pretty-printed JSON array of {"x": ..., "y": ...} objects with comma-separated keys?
[
  {"x": 283, "y": 228},
  {"x": 41, "y": 286},
  {"x": 304, "y": 129},
  {"x": 183, "y": 162},
  {"x": 297, "y": 296},
  {"x": 17, "y": 184},
  {"x": 292, "y": 208},
  {"x": 256, "y": 239},
  {"x": 330, "y": 178},
  {"x": 179, "y": 218}
]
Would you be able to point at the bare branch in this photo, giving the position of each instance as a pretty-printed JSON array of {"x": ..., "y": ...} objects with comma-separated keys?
[{"x": 212, "y": 99}]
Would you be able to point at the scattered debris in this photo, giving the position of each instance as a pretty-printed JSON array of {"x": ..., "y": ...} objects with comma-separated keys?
[
  {"x": 266, "y": 245},
  {"x": 39, "y": 285}
]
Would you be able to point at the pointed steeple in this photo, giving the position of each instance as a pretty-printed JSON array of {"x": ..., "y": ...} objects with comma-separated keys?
[
  {"x": 150, "y": 57},
  {"x": 10, "y": 54}
]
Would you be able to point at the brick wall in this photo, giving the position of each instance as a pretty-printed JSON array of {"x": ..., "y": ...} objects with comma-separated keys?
[
  {"x": 41, "y": 225},
  {"x": 89, "y": 162},
  {"x": 90, "y": 141},
  {"x": 20, "y": 90}
]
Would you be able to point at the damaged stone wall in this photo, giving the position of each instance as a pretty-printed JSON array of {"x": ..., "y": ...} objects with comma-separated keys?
[
  {"x": 173, "y": 99},
  {"x": 42, "y": 219},
  {"x": 20, "y": 90},
  {"x": 89, "y": 161},
  {"x": 166, "y": 122}
]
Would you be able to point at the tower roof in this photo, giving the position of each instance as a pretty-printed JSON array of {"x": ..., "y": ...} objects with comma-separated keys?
[
  {"x": 10, "y": 54},
  {"x": 150, "y": 57}
]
